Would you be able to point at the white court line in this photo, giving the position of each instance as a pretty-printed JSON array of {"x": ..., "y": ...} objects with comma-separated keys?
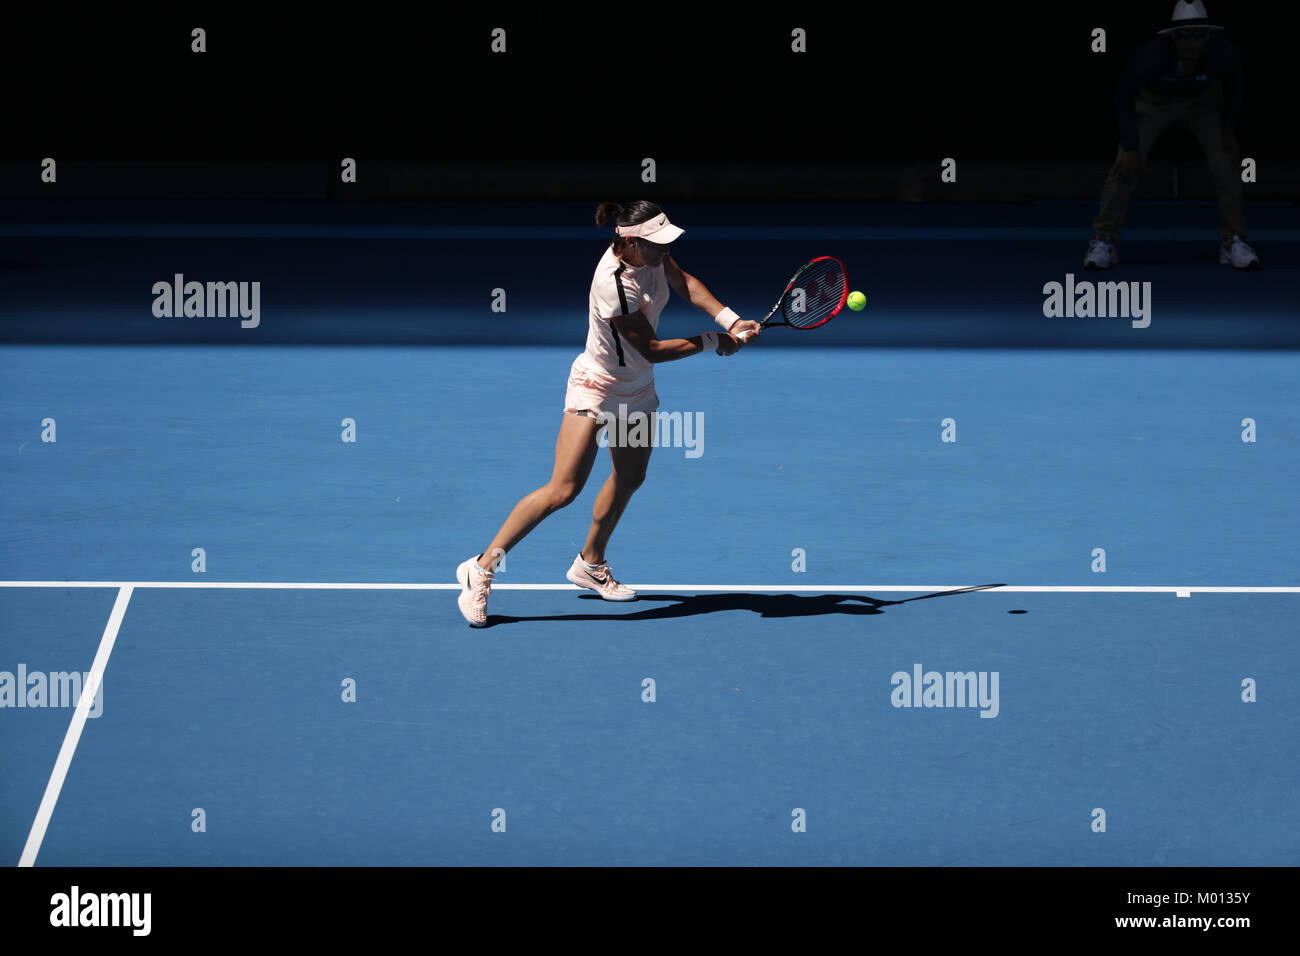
[
  {"x": 88, "y": 692},
  {"x": 779, "y": 588}
]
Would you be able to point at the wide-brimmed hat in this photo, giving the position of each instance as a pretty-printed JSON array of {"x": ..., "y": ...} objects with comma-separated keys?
[{"x": 1189, "y": 15}]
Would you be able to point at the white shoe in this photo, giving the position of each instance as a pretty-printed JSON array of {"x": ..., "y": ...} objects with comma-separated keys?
[
  {"x": 1102, "y": 253},
  {"x": 601, "y": 581},
  {"x": 475, "y": 586},
  {"x": 1238, "y": 255}
]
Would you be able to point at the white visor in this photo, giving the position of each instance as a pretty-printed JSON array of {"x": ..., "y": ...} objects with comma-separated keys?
[{"x": 657, "y": 230}]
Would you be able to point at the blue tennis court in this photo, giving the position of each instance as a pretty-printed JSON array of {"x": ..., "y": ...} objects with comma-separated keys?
[{"x": 251, "y": 533}]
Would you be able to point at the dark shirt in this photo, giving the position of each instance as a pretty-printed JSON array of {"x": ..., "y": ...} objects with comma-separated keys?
[{"x": 1154, "y": 67}]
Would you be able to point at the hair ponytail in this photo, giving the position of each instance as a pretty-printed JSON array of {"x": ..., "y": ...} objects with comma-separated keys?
[
  {"x": 636, "y": 212},
  {"x": 607, "y": 211}
]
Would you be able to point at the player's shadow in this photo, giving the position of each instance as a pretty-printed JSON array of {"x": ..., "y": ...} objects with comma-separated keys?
[{"x": 765, "y": 605}]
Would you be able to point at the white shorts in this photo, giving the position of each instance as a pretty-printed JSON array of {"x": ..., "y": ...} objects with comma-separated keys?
[{"x": 592, "y": 391}]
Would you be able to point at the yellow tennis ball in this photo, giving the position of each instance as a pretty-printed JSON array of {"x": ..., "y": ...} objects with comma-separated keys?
[{"x": 857, "y": 301}]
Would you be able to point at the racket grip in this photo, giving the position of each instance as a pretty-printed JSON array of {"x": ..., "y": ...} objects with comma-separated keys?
[{"x": 745, "y": 335}]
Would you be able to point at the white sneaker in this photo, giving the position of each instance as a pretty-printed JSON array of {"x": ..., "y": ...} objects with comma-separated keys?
[
  {"x": 1102, "y": 253},
  {"x": 1238, "y": 255},
  {"x": 475, "y": 586},
  {"x": 601, "y": 581}
]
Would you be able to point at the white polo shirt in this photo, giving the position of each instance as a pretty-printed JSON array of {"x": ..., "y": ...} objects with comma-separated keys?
[{"x": 620, "y": 289}]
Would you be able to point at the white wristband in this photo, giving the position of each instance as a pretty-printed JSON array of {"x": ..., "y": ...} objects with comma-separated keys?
[
  {"x": 710, "y": 341},
  {"x": 726, "y": 318}
]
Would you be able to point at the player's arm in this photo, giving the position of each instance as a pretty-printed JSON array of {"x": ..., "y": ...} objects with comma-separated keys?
[
  {"x": 694, "y": 291},
  {"x": 690, "y": 288},
  {"x": 636, "y": 331}
]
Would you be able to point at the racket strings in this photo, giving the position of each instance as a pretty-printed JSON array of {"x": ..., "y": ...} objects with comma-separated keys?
[{"x": 816, "y": 294}]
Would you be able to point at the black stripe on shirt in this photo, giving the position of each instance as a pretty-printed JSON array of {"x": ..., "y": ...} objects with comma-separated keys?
[{"x": 622, "y": 298}]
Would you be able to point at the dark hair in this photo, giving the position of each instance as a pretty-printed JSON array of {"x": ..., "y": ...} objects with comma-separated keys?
[{"x": 637, "y": 211}]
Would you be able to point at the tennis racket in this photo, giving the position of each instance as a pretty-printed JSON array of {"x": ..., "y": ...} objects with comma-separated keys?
[{"x": 811, "y": 298}]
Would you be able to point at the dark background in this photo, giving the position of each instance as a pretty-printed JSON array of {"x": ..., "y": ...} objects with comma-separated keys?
[{"x": 880, "y": 83}]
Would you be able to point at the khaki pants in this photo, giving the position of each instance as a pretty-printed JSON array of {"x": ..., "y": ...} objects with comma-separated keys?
[{"x": 1203, "y": 117}]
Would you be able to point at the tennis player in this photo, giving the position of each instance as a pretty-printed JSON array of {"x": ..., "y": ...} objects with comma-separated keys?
[{"x": 612, "y": 378}]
